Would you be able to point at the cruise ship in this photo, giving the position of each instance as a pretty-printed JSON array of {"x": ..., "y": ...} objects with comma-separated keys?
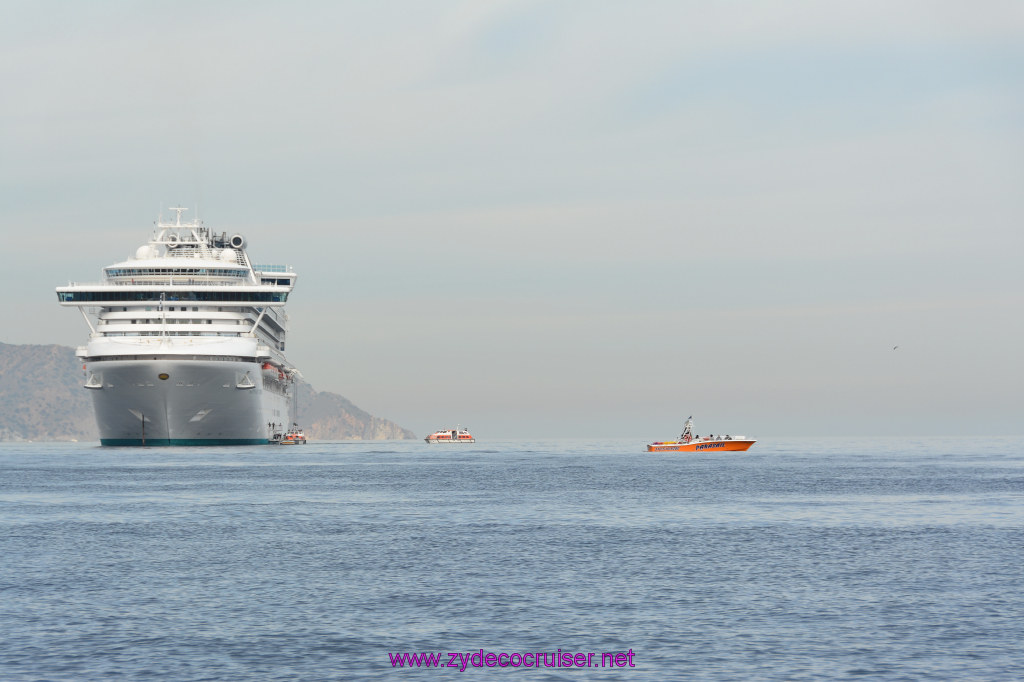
[{"x": 187, "y": 341}]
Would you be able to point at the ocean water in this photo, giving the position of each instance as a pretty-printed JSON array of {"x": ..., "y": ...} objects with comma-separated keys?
[{"x": 887, "y": 559}]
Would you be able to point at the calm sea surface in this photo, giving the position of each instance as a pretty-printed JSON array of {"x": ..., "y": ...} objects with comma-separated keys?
[{"x": 892, "y": 559}]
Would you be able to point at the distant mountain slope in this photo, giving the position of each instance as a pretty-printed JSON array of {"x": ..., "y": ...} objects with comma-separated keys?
[
  {"x": 42, "y": 399},
  {"x": 41, "y": 395},
  {"x": 329, "y": 416}
]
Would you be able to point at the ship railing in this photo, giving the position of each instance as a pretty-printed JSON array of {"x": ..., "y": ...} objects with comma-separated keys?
[
  {"x": 194, "y": 253},
  {"x": 172, "y": 281}
]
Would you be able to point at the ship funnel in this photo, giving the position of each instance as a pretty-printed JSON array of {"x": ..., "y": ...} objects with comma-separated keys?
[{"x": 237, "y": 241}]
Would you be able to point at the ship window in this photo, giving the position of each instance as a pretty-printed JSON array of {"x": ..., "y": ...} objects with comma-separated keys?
[{"x": 101, "y": 296}]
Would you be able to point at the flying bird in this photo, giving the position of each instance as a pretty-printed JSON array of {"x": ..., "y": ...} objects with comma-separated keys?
[{"x": 895, "y": 347}]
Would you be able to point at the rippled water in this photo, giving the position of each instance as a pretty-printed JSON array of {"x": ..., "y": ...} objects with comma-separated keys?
[{"x": 800, "y": 559}]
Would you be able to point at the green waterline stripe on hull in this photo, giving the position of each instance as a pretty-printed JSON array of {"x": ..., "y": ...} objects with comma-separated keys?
[{"x": 158, "y": 442}]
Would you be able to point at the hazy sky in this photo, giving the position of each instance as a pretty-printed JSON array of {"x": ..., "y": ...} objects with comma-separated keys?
[{"x": 564, "y": 218}]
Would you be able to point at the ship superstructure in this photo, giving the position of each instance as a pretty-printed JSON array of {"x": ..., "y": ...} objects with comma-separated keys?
[{"x": 187, "y": 341}]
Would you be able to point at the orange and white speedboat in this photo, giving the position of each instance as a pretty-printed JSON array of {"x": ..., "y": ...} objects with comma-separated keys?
[
  {"x": 690, "y": 443},
  {"x": 456, "y": 435}
]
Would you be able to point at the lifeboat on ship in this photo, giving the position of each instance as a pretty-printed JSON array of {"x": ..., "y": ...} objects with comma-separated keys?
[
  {"x": 456, "y": 435},
  {"x": 688, "y": 442},
  {"x": 275, "y": 369}
]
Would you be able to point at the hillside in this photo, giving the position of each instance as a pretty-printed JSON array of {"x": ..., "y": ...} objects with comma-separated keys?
[
  {"x": 42, "y": 399},
  {"x": 41, "y": 395},
  {"x": 329, "y": 416}
]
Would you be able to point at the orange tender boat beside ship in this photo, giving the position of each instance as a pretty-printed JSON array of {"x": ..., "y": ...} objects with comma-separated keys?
[
  {"x": 690, "y": 443},
  {"x": 293, "y": 436},
  {"x": 456, "y": 435}
]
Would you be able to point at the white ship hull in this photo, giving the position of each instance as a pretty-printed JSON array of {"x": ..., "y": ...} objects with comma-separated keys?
[{"x": 201, "y": 402}]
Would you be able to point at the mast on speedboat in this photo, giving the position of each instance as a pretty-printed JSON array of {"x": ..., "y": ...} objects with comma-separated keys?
[{"x": 687, "y": 434}]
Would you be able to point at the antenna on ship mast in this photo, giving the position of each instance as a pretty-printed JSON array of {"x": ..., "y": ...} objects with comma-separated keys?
[{"x": 179, "y": 209}]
